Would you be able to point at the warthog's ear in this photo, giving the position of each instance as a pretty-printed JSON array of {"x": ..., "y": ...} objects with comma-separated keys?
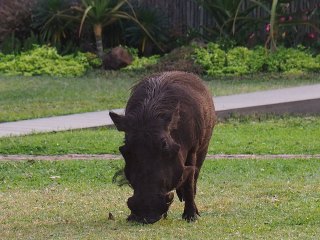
[
  {"x": 119, "y": 121},
  {"x": 174, "y": 118}
]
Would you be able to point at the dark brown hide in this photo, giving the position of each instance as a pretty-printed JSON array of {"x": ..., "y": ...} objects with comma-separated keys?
[{"x": 168, "y": 124}]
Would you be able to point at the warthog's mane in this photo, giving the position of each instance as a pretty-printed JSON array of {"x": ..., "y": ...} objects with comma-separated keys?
[{"x": 159, "y": 95}]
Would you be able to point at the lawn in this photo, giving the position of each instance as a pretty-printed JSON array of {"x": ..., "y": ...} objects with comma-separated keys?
[
  {"x": 34, "y": 97},
  {"x": 270, "y": 135},
  {"x": 238, "y": 199}
]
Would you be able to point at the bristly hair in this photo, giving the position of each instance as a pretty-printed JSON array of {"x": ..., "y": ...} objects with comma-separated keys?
[{"x": 159, "y": 94}]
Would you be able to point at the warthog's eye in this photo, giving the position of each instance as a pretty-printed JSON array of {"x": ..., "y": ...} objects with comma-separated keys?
[
  {"x": 169, "y": 148},
  {"x": 164, "y": 145}
]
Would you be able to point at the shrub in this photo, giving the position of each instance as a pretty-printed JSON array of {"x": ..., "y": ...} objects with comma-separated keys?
[
  {"x": 237, "y": 61},
  {"x": 241, "y": 61},
  {"x": 93, "y": 60},
  {"x": 139, "y": 63},
  {"x": 44, "y": 61},
  {"x": 211, "y": 58},
  {"x": 257, "y": 60},
  {"x": 289, "y": 59}
]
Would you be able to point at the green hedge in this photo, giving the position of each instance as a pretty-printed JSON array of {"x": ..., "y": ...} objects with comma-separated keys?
[
  {"x": 241, "y": 60},
  {"x": 45, "y": 60}
]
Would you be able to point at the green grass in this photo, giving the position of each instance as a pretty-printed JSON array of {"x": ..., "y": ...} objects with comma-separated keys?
[
  {"x": 288, "y": 135},
  {"x": 257, "y": 82},
  {"x": 237, "y": 199},
  {"x": 34, "y": 97}
]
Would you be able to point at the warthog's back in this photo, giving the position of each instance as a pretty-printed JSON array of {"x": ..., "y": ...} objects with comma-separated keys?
[{"x": 161, "y": 93}]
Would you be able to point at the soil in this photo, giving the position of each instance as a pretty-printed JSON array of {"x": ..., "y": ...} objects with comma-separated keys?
[
  {"x": 179, "y": 59},
  {"x": 117, "y": 157}
]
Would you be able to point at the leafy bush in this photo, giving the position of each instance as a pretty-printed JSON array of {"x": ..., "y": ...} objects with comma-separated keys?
[
  {"x": 238, "y": 61},
  {"x": 241, "y": 61},
  {"x": 211, "y": 58},
  {"x": 44, "y": 61},
  {"x": 289, "y": 59},
  {"x": 257, "y": 60},
  {"x": 139, "y": 63},
  {"x": 93, "y": 60}
]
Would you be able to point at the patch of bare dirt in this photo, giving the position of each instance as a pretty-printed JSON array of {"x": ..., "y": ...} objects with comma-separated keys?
[
  {"x": 179, "y": 59},
  {"x": 59, "y": 157},
  {"x": 117, "y": 157}
]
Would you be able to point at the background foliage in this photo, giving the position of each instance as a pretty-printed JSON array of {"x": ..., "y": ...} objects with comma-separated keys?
[
  {"x": 240, "y": 29},
  {"x": 44, "y": 61},
  {"x": 241, "y": 60}
]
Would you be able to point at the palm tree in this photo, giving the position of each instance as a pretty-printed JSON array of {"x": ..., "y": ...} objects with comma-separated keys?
[
  {"x": 101, "y": 13},
  {"x": 98, "y": 14}
]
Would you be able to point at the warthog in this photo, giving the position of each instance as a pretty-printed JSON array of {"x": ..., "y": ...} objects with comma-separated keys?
[{"x": 168, "y": 124}]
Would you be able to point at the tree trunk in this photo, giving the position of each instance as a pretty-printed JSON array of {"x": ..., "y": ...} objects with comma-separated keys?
[
  {"x": 98, "y": 35},
  {"x": 273, "y": 26}
]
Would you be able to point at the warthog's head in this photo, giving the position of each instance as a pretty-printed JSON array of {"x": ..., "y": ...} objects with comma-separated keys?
[{"x": 152, "y": 165}]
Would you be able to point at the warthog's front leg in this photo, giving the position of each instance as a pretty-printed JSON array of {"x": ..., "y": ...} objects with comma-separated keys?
[{"x": 185, "y": 191}]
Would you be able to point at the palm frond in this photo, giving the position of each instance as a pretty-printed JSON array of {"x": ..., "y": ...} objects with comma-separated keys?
[{"x": 84, "y": 18}]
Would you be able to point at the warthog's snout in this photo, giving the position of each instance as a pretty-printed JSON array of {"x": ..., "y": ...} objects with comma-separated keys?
[{"x": 150, "y": 208}]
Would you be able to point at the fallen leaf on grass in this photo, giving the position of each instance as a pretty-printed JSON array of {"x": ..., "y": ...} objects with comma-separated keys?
[
  {"x": 111, "y": 217},
  {"x": 55, "y": 177}
]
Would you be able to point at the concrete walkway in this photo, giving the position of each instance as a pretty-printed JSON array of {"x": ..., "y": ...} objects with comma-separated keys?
[{"x": 295, "y": 100}]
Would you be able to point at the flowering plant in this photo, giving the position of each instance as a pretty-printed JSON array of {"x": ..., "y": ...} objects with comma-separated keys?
[{"x": 284, "y": 25}]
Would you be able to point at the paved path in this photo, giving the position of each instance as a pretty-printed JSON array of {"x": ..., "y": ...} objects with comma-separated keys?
[
  {"x": 117, "y": 157},
  {"x": 299, "y": 100},
  {"x": 60, "y": 123}
]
